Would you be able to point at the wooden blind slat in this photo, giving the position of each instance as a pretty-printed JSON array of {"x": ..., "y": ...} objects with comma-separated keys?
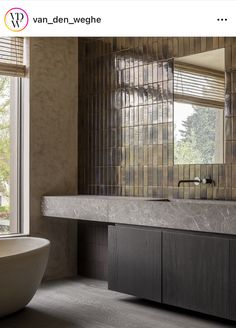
[
  {"x": 12, "y": 56},
  {"x": 199, "y": 85}
]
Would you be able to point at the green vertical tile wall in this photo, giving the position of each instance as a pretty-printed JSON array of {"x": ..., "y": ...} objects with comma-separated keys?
[{"x": 126, "y": 119}]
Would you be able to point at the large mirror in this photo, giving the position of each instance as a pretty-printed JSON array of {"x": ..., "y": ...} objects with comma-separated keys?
[{"x": 199, "y": 90}]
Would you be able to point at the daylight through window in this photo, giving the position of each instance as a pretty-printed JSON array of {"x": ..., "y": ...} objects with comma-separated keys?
[
  {"x": 12, "y": 70},
  {"x": 198, "y": 115}
]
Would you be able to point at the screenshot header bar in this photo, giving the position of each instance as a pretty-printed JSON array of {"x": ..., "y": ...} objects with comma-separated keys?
[{"x": 118, "y": 18}]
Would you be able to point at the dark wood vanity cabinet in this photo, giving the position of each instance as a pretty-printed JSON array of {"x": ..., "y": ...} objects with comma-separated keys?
[
  {"x": 134, "y": 261},
  {"x": 196, "y": 271},
  {"x": 232, "y": 280}
]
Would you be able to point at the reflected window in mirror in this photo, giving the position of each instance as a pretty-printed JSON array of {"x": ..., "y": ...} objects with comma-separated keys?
[{"x": 199, "y": 109}]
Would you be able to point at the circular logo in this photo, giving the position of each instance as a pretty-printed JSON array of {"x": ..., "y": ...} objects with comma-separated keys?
[{"x": 16, "y": 19}]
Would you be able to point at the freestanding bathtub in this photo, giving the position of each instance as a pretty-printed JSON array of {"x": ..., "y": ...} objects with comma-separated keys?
[{"x": 23, "y": 262}]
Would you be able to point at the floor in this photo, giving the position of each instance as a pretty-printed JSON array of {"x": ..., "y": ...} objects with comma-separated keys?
[{"x": 86, "y": 303}]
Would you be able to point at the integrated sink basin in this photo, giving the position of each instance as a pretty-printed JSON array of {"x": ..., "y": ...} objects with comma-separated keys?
[{"x": 158, "y": 200}]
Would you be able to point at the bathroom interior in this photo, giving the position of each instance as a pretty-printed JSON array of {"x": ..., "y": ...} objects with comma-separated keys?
[{"x": 118, "y": 182}]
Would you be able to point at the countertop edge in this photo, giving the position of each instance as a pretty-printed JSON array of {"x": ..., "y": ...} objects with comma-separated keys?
[{"x": 205, "y": 216}]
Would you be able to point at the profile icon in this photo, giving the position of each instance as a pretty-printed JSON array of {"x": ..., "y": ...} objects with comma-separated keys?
[{"x": 16, "y": 19}]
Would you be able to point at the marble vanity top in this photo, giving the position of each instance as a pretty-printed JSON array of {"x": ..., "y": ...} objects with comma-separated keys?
[{"x": 186, "y": 214}]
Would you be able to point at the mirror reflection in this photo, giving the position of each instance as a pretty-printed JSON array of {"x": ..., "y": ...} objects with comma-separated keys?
[{"x": 199, "y": 90}]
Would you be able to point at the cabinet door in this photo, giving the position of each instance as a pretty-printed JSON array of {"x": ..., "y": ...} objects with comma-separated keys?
[
  {"x": 195, "y": 272},
  {"x": 134, "y": 264},
  {"x": 232, "y": 280}
]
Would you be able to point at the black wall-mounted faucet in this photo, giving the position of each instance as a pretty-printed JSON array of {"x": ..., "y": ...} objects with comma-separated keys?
[{"x": 197, "y": 181}]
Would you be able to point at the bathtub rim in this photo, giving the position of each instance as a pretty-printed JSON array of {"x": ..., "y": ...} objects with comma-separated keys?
[
  {"x": 14, "y": 235},
  {"x": 46, "y": 244}
]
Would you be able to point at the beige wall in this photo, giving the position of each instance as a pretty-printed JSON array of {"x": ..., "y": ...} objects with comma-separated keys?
[{"x": 53, "y": 143}]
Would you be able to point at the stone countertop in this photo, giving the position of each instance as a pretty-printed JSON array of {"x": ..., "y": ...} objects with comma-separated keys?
[{"x": 196, "y": 215}]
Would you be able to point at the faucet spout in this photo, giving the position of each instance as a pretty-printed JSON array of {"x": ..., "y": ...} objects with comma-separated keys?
[{"x": 196, "y": 181}]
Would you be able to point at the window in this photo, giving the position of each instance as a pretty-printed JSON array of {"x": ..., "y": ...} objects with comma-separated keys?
[
  {"x": 12, "y": 70},
  {"x": 198, "y": 115}
]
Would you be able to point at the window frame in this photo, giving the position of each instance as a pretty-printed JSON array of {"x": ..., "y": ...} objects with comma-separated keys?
[
  {"x": 19, "y": 70},
  {"x": 20, "y": 101}
]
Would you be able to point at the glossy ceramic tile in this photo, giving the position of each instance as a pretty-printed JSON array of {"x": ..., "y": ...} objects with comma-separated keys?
[{"x": 126, "y": 118}]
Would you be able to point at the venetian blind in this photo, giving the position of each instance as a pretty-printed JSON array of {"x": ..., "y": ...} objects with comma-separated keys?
[
  {"x": 12, "y": 56},
  {"x": 198, "y": 85}
]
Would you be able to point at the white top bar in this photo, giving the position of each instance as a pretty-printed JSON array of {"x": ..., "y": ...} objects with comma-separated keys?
[{"x": 121, "y": 18}]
